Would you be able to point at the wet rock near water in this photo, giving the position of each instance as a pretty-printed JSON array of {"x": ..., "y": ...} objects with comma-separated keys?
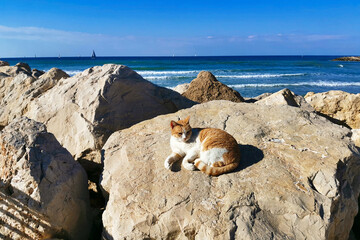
[
  {"x": 347, "y": 59},
  {"x": 206, "y": 88}
]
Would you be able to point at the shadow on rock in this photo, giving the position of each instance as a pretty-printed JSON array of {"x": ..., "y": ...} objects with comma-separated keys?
[
  {"x": 176, "y": 167},
  {"x": 249, "y": 156}
]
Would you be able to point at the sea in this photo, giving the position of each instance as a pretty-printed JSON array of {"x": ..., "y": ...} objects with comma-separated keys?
[{"x": 249, "y": 75}]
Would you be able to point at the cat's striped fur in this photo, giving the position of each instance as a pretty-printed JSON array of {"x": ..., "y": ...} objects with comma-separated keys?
[{"x": 212, "y": 151}]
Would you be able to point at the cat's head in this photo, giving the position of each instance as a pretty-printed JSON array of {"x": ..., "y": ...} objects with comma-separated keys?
[{"x": 181, "y": 129}]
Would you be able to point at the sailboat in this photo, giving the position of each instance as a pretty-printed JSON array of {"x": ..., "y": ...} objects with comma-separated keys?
[{"x": 93, "y": 56}]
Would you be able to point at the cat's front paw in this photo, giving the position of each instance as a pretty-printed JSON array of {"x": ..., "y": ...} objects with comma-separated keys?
[
  {"x": 189, "y": 166},
  {"x": 167, "y": 164}
]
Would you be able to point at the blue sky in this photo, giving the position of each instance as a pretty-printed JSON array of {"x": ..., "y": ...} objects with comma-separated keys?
[{"x": 164, "y": 28}]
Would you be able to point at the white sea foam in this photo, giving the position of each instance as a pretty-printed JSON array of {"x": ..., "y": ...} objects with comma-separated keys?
[
  {"x": 146, "y": 73},
  {"x": 73, "y": 72},
  {"x": 157, "y": 77},
  {"x": 318, "y": 84},
  {"x": 262, "y": 75}
]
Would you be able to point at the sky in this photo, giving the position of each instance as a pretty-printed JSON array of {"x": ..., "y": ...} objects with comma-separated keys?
[{"x": 47, "y": 28}]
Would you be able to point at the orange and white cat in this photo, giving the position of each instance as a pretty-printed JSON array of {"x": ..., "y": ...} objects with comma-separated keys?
[{"x": 212, "y": 151}]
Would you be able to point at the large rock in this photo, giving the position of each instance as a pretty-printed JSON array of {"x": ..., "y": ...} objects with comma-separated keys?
[
  {"x": 284, "y": 97},
  {"x": 43, "y": 190},
  {"x": 12, "y": 71},
  {"x": 347, "y": 59},
  {"x": 4, "y": 63},
  {"x": 36, "y": 73},
  {"x": 342, "y": 106},
  {"x": 298, "y": 179},
  {"x": 17, "y": 92},
  {"x": 182, "y": 88},
  {"x": 14, "y": 96},
  {"x": 257, "y": 98},
  {"x": 55, "y": 74},
  {"x": 206, "y": 87},
  {"x": 82, "y": 111},
  {"x": 356, "y": 136},
  {"x": 24, "y": 66}
]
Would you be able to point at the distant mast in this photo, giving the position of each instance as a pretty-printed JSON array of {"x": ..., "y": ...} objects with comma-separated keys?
[{"x": 93, "y": 56}]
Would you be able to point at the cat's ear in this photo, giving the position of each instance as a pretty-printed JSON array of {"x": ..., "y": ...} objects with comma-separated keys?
[
  {"x": 186, "y": 120},
  {"x": 173, "y": 124}
]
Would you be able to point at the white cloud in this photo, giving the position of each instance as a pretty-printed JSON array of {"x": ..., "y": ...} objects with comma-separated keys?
[{"x": 53, "y": 35}]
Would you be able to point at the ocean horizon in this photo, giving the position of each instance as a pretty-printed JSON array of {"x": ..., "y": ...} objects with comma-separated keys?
[{"x": 249, "y": 75}]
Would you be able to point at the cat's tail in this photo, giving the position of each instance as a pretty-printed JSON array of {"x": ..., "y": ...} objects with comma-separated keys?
[{"x": 215, "y": 170}]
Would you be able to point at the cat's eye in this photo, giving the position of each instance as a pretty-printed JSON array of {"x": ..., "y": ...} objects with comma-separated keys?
[{"x": 179, "y": 134}]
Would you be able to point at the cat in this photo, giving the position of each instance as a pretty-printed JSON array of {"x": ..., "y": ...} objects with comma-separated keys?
[{"x": 212, "y": 151}]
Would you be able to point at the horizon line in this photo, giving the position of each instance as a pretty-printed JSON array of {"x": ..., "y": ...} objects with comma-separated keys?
[{"x": 194, "y": 56}]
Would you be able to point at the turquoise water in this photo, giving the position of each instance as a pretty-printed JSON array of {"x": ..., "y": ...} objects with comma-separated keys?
[{"x": 250, "y": 75}]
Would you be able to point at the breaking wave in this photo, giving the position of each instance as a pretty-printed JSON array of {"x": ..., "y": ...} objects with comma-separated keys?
[
  {"x": 262, "y": 75},
  {"x": 317, "y": 84}
]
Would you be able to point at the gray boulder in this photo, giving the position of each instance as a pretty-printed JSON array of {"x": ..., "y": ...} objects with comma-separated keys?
[{"x": 43, "y": 189}]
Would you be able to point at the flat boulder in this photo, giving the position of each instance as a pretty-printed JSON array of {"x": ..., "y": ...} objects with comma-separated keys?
[
  {"x": 206, "y": 88},
  {"x": 341, "y": 106},
  {"x": 43, "y": 190},
  {"x": 298, "y": 178},
  {"x": 348, "y": 59}
]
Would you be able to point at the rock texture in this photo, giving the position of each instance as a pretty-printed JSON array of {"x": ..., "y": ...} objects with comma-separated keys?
[
  {"x": 43, "y": 190},
  {"x": 342, "y": 106},
  {"x": 356, "y": 136},
  {"x": 348, "y": 59},
  {"x": 55, "y": 75},
  {"x": 82, "y": 111},
  {"x": 284, "y": 97},
  {"x": 206, "y": 87},
  {"x": 16, "y": 92},
  {"x": 37, "y": 73},
  {"x": 298, "y": 178},
  {"x": 24, "y": 66},
  {"x": 4, "y": 63},
  {"x": 257, "y": 98},
  {"x": 12, "y": 71},
  {"x": 182, "y": 88}
]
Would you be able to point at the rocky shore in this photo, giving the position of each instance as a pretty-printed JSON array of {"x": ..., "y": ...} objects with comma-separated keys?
[
  {"x": 347, "y": 59},
  {"x": 82, "y": 158}
]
